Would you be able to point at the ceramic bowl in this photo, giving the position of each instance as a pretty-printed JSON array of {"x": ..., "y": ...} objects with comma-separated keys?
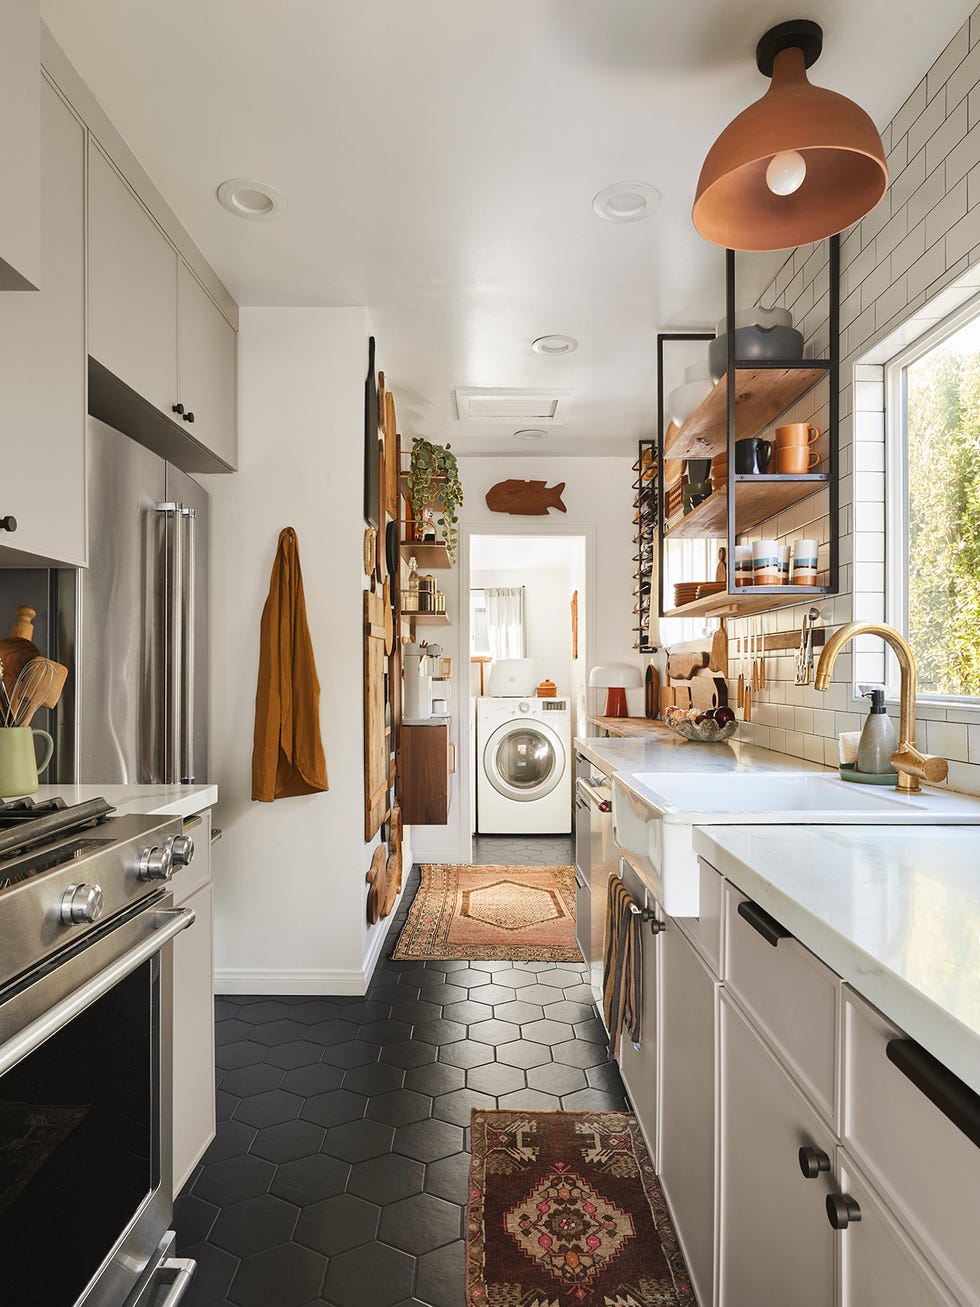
[
  {"x": 683, "y": 400},
  {"x": 756, "y": 318},
  {"x": 708, "y": 732},
  {"x": 755, "y": 344}
]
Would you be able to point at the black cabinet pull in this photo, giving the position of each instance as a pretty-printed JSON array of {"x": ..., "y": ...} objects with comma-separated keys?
[
  {"x": 813, "y": 1161},
  {"x": 761, "y": 922},
  {"x": 176, "y": 408},
  {"x": 8, "y": 523},
  {"x": 842, "y": 1211},
  {"x": 957, "y": 1101},
  {"x": 188, "y": 417}
]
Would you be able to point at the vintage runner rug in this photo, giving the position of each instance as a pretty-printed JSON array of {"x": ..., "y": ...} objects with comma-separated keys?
[
  {"x": 491, "y": 914},
  {"x": 565, "y": 1210}
]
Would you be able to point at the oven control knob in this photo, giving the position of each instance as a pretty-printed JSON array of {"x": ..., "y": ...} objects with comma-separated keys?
[
  {"x": 82, "y": 903},
  {"x": 182, "y": 850},
  {"x": 155, "y": 864}
]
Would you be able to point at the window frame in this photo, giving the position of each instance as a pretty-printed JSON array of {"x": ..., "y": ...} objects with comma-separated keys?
[{"x": 896, "y": 489}]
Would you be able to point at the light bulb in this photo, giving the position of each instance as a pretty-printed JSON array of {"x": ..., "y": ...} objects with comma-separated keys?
[{"x": 786, "y": 172}]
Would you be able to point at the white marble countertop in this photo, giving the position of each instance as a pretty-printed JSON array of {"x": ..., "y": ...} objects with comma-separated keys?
[
  {"x": 672, "y": 753},
  {"x": 151, "y": 800},
  {"x": 893, "y": 910}
]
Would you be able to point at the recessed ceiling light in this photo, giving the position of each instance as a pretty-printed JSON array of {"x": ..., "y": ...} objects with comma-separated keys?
[
  {"x": 554, "y": 344},
  {"x": 529, "y": 433},
  {"x": 248, "y": 198},
  {"x": 627, "y": 202}
]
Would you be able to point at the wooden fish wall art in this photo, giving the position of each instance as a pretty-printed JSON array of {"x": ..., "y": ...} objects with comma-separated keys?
[{"x": 525, "y": 498}]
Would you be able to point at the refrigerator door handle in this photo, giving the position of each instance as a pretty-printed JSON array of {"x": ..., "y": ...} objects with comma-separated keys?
[
  {"x": 185, "y": 698},
  {"x": 175, "y": 638}
]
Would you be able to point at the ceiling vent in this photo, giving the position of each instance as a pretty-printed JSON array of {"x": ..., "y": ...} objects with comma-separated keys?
[{"x": 499, "y": 404}]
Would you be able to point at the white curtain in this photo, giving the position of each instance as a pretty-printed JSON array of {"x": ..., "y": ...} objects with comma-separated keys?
[{"x": 505, "y": 621}]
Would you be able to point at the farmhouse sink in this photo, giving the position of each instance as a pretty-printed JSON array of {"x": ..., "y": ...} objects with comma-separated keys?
[{"x": 654, "y": 814}]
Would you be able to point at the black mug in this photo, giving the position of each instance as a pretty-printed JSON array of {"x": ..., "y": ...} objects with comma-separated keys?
[{"x": 752, "y": 456}]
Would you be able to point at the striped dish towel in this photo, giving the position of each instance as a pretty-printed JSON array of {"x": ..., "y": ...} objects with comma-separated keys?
[{"x": 621, "y": 962}]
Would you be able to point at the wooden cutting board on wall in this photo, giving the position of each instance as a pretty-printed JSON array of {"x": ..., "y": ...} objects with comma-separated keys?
[{"x": 375, "y": 744}]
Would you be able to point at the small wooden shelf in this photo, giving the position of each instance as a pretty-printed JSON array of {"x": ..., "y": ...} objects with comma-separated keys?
[
  {"x": 749, "y": 599},
  {"x": 757, "y": 499},
  {"x": 761, "y": 395},
  {"x": 434, "y": 556},
  {"x": 427, "y": 619}
]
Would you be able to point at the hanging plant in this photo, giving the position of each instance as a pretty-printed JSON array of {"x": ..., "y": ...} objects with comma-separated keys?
[{"x": 433, "y": 482}]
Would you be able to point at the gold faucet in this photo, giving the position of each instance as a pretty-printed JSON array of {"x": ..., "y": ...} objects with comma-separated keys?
[{"x": 910, "y": 764}]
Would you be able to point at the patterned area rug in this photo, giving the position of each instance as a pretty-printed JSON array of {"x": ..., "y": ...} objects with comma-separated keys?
[
  {"x": 492, "y": 914},
  {"x": 565, "y": 1210}
]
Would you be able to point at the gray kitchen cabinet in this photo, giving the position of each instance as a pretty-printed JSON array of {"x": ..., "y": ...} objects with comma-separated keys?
[
  {"x": 20, "y": 146},
  {"x": 42, "y": 346},
  {"x": 776, "y": 1245},
  {"x": 207, "y": 367},
  {"x": 132, "y": 300},
  {"x": 879, "y": 1266},
  {"x": 687, "y": 1102},
  {"x": 193, "y": 989},
  {"x": 639, "y": 1066}
]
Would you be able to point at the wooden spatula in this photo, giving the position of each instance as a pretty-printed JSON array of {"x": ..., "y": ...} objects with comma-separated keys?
[{"x": 18, "y": 649}]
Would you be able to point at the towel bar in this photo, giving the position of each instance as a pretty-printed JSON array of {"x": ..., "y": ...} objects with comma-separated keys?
[{"x": 648, "y": 914}]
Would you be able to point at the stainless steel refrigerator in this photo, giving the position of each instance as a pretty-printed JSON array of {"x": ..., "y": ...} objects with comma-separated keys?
[{"x": 137, "y": 618}]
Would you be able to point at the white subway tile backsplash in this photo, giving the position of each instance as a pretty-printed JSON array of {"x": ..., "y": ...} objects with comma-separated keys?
[
  {"x": 951, "y": 131},
  {"x": 946, "y": 65},
  {"x": 949, "y": 740}
]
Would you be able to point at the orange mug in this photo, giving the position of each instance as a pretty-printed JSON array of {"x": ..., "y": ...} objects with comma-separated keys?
[
  {"x": 795, "y": 460},
  {"x": 796, "y": 433}
]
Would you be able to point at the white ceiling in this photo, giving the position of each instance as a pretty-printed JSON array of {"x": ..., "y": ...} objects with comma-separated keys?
[{"x": 440, "y": 158}]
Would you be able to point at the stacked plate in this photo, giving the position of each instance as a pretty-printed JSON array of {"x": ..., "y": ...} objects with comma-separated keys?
[{"x": 719, "y": 472}]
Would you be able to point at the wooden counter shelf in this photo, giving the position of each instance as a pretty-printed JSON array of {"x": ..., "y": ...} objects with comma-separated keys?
[
  {"x": 762, "y": 394},
  {"x": 633, "y": 727},
  {"x": 427, "y": 619},
  {"x": 434, "y": 556},
  {"x": 757, "y": 499},
  {"x": 749, "y": 599}
]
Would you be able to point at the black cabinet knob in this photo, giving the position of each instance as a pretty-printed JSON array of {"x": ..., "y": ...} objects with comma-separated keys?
[
  {"x": 8, "y": 523},
  {"x": 176, "y": 408},
  {"x": 813, "y": 1161},
  {"x": 842, "y": 1210},
  {"x": 188, "y": 417}
]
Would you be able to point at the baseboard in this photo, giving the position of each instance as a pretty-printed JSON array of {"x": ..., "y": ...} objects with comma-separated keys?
[
  {"x": 380, "y": 942},
  {"x": 318, "y": 983}
]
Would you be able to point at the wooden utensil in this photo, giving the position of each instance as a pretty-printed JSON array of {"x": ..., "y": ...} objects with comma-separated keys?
[
  {"x": 681, "y": 667},
  {"x": 30, "y": 690},
  {"x": 762, "y": 655},
  {"x": 747, "y": 704},
  {"x": 718, "y": 661},
  {"x": 389, "y": 617},
  {"x": 18, "y": 649},
  {"x": 740, "y": 694},
  {"x": 721, "y": 571}
]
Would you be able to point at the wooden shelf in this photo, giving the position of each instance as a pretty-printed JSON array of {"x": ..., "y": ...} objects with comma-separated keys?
[
  {"x": 761, "y": 395},
  {"x": 749, "y": 599},
  {"x": 427, "y": 619},
  {"x": 757, "y": 499},
  {"x": 428, "y": 556}
]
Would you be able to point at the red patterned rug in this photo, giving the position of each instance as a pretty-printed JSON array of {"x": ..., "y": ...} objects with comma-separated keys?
[
  {"x": 565, "y": 1210},
  {"x": 492, "y": 914}
]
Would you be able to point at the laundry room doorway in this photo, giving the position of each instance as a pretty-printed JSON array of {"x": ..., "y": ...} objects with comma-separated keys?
[{"x": 528, "y": 613}]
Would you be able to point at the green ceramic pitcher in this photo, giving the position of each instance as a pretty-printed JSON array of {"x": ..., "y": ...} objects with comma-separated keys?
[{"x": 19, "y": 765}]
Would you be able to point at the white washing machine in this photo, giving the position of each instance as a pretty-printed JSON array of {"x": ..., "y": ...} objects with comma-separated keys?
[{"x": 524, "y": 766}]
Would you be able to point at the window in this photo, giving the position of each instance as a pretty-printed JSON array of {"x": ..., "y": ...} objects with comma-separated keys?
[{"x": 933, "y": 488}]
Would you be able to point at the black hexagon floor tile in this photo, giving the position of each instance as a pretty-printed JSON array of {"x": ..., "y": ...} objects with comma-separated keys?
[
  {"x": 309, "y": 1179},
  {"x": 253, "y": 1226},
  {"x": 337, "y": 1224},
  {"x": 387, "y": 1179},
  {"x": 371, "y": 1276},
  {"x": 421, "y": 1223},
  {"x": 355, "y": 1112},
  {"x": 288, "y": 1276}
]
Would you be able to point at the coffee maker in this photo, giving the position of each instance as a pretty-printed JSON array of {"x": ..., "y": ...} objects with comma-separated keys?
[{"x": 417, "y": 660}]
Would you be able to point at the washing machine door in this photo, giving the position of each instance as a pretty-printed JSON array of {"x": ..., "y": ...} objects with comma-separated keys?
[{"x": 524, "y": 760}]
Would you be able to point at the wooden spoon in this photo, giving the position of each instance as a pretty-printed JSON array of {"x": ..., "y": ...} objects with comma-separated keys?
[{"x": 18, "y": 649}]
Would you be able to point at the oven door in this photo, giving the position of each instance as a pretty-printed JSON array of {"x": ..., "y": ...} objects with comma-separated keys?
[{"x": 85, "y": 1115}]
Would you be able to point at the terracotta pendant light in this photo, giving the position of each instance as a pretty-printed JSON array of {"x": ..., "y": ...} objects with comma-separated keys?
[{"x": 799, "y": 165}]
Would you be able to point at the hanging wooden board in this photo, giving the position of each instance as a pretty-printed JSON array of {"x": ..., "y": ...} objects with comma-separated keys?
[
  {"x": 381, "y": 546},
  {"x": 375, "y": 746},
  {"x": 525, "y": 498},
  {"x": 377, "y": 880},
  {"x": 371, "y": 440},
  {"x": 391, "y": 456}
]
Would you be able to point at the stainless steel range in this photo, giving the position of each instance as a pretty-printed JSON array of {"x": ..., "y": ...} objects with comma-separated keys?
[{"x": 86, "y": 1190}]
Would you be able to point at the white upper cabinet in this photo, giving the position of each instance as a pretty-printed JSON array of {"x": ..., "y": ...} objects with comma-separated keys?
[
  {"x": 42, "y": 364},
  {"x": 132, "y": 311},
  {"x": 207, "y": 367},
  {"x": 20, "y": 145}
]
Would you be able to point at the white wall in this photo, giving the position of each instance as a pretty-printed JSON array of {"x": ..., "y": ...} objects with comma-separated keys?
[
  {"x": 599, "y": 499},
  {"x": 547, "y": 618},
  {"x": 289, "y": 876}
]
